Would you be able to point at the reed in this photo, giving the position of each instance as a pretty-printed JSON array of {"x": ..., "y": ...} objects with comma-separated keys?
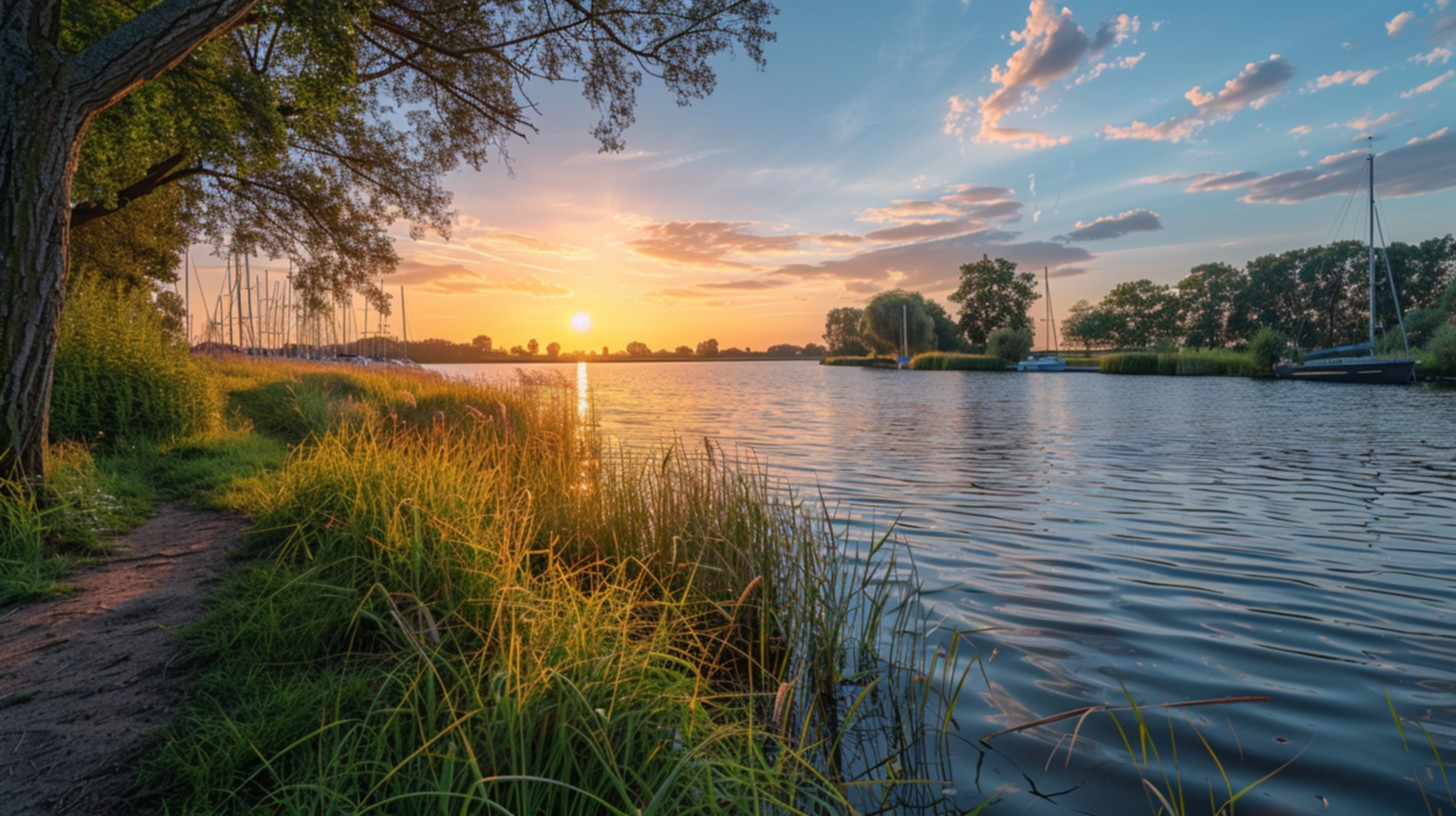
[
  {"x": 464, "y": 600},
  {"x": 954, "y": 361},
  {"x": 1185, "y": 363},
  {"x": 867, "y": 361}
]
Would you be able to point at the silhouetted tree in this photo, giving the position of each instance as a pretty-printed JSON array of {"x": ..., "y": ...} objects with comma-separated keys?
[
  {"x": 481, "y": 343},
  {"x": 708, "y": 348},
  {"x": 553, "y": 350},
  {"x": 638, "y": 349},
  {"x": 841, "y": 331}
]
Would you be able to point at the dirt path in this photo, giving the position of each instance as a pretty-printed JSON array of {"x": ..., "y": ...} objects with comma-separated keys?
[{"x": 85, "y": 679}]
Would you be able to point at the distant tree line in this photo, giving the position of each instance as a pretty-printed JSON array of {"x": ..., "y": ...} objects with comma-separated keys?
[
  {"x": 1318, "y": 297},
  {"x": 482, "y": 349}
]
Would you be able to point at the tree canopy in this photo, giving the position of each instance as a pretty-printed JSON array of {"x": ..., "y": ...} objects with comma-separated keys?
[
  {"x": 895, "y": 317},
  {"x": 841, "y": 331},
  {"x": 992, "y": 294},
  {"x": 300, "y": 129}
]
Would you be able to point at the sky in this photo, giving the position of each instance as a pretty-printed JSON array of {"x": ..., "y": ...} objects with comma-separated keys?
[{"x": 887, "y": 142}]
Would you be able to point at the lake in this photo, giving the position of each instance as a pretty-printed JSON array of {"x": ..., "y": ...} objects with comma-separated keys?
[{"x": 1182, "y": 538}]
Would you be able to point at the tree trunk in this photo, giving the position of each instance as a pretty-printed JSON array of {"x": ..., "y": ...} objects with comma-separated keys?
[
  {"x": 46, "y": 101},
  {"x": 40, "y": 138}
]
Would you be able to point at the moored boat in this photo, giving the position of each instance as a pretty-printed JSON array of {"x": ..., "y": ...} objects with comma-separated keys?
[{"x": 1357, "y": 362}]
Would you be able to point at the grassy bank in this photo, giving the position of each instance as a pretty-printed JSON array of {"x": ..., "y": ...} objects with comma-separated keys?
[
  {"x": 953, "y": 361},
  {"x": 1184, "y": 363},
  {"x": 456, "y": 599},
  {"x": 868, "y": 361}
]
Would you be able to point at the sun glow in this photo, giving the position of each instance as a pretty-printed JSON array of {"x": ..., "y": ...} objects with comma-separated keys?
[{"x": 581, "y": 321}]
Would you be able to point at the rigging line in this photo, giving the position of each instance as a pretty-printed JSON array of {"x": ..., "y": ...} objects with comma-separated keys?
[{"x": 1344, "y": 213}]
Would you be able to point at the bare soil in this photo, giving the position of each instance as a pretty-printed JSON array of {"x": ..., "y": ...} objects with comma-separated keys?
[{"x": 86, "y": 679}]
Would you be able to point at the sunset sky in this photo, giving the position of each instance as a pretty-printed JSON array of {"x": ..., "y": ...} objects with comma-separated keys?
[{"x": 887, "y": 143}]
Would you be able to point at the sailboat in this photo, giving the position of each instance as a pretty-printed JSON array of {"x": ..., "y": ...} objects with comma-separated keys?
[
  {"x": 1357, "y": 362},
  {"x": 1044, "y": 361}
]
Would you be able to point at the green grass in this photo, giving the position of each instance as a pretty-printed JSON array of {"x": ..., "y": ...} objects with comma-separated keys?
[
  {"x": 459, "y": 599},
  {"x": 954, "y": 361},
  {"x": 1184, "y": 363}
]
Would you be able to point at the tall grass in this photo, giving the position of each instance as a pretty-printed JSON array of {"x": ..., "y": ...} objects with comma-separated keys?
[
  {"x": 118, "y": 376},
  {"x": 1185, "y": 363},
  {"x": 955, "y": 361},
  {"x": 867, "y": 361},
  {"x": 461, "y": 603}
]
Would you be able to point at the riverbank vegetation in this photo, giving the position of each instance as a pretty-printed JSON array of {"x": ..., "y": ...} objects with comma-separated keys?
[
  {"x": 1218, "y": 320},
  {"x": 460, "y": 597},
  {"x": 951, "y": 361}
]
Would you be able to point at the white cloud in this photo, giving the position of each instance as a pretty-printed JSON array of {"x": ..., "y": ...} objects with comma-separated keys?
[
  {"x": 679, "y": 161},
  {"x": 1355, "y": 78},
  {"x": 1437, "y": 54},
  {"x": 1122, "y": 63},
  {"x": 1398, "y": 23},
  {"x": 1050, "y": 47},
  {"x": 1255, "y": 85},
  {"x": 1428, "y": 86},
  {"x": 1301, "y": 130},
  {"x": 1367, "y": 123}
]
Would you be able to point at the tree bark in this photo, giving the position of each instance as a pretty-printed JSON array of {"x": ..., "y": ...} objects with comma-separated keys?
[{"x": 46, "y": 101}]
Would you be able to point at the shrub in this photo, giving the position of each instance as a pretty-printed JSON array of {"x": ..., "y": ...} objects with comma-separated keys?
[
  {"x": 1133, "y": 362},
  {"x": 1442, "y": 351},
  {"x": 952, "y": 361},
  {"x": 118, "y": 375},
  {"x": 1009, "y": 344},
  {"x": 1265, "y": 349}
]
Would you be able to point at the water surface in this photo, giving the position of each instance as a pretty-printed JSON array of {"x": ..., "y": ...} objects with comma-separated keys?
[{"x": 1182, "y": 538}]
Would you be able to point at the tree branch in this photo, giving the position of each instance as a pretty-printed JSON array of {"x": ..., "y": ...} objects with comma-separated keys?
[
  {"x": 157, "y": 175},
  {"x": 147, "y": 46}
]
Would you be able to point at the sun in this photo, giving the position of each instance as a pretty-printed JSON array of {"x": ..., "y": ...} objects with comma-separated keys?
[{"x": 581, "y": 321}]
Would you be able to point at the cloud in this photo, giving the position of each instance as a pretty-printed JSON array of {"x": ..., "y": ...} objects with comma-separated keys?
[
  {"x": 459, "y": 279},
  {"x": 1428, "y": 86},
  {"x": 1003, "y": 211},
  {"x": 626, "y": 155},
  {"x": 746, "y": 285},
  {"x": 1177, "y": 129},
  {"x": 1255, "y": 86},
  {"x": 1355, "y": 78},
  {"x": 1367, "y": 123},
  {"x": 932, "y": 266},
  {"x": 679, "y": 161},
  {"x": 975, "y": 194},
  {"x": 839, "y": 239},
  {"x": 1115, "y": 226},
  {"x": 911, "y": 211},
  {"x": 1121, "y": 63},
  {"x": 1398, "y": 23},
  {"x": 1051, "y": 47},
  {"x": 1419, "y": 167},
  {"x": 920, "y": 232},
  {"x": 1222, "y": 181},
  {"x": 1443, "y": 55},
  {"x": 1258, "y": 83},
  {"x": 708, "y": 243},
  {"x": 1444, "y": 30},
  {"x": 1301, "y": 130}
]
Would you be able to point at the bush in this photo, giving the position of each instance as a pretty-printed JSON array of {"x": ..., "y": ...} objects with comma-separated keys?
[
  {"x": 1009, "y": 344},
  {"x": 1265, "y": 349},
  {"x": 952, "y": 361},
  {"x": 1134, "y": 362},
  {"x": 119, "y": 376},
  {"x": 1442, "y": 351}
]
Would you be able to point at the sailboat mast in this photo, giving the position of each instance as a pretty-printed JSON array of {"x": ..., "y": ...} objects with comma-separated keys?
[{"x": 1370, "y": 159}]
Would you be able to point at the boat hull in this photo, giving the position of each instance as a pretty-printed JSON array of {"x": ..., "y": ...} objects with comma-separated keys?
[
  {"x": 1390, "y": 372},
  {"x": 1042, "y": 365}
]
